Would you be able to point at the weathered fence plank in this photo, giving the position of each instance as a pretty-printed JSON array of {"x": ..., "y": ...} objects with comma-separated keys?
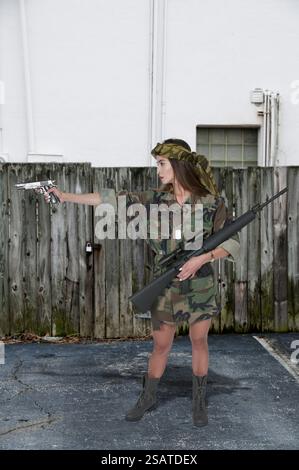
[
  {"x": 280, "y": 269},
  {"x": 241, "y": 273},
  {"x": 216, "y": 321},
  {"x": 4, "y": 308},
  {"x": 99, "y": 263},
  {"x": 293, "y": 248},
  {"x": 125, "y": 269},
  {"x": 266, "y": 260},
  {"x": 85, "y": 234},
  {"x": 58, "y": 257},
  {"x": 43, "y": 264},
  {"x": 141, "y": 179},
  {"x": 226, "y": 281},
  {"x": 29, "y": 260},
  {"x": 72, "y": 276},
  {"x": 16, "y": 250},
  {"x": 112, "y": 274},
  {"x": 143, "y": 326},
  {"x": 254, "y": 256}
]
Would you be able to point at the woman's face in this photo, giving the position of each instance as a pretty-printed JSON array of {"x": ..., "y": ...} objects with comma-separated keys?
[{"x": 165, "y": 170}]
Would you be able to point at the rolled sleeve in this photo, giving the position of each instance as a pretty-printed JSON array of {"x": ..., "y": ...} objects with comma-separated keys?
[
  {"x": 108, "y": 196},
  {"x": 232, "y": 246}
]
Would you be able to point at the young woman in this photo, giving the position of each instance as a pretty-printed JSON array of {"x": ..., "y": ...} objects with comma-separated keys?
[{"x": 186, "y": 179}]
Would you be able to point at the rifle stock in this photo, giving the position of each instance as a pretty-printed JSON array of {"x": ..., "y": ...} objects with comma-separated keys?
[{"x": 144, "y": 299}]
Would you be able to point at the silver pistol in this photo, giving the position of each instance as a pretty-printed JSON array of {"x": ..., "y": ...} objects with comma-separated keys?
[{"x": 41, "y": 187}]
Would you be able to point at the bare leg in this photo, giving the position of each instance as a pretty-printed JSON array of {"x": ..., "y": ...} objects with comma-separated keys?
[
  {"x": 163, "y": 339},
  {"x": 200, "y": 352}
]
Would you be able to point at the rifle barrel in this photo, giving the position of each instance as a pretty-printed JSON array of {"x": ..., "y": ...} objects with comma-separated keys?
[{"x": 259, "y": 207}]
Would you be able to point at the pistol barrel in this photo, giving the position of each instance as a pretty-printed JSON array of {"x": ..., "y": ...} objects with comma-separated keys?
[{"x": 34, "y": 184}]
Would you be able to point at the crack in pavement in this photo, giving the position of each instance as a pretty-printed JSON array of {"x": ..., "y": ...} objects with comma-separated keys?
[
  {"x": 30, "y": 425},
  {"x": 28, "y": 388}
]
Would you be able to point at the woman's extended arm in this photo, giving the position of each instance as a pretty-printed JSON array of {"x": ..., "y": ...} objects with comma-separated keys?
[{"x": 91, "y": 199}]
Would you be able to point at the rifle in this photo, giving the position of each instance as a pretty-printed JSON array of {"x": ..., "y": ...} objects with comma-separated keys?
[
  {"x": 144, "y": 299},
  {"x": 41, "y": 187}
]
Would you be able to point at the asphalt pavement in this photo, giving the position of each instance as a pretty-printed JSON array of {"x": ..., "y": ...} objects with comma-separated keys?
[{"x": 74, "y": 396}]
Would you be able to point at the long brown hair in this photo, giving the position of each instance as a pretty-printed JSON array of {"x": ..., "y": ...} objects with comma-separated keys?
[{"x": 184, "y": 173}]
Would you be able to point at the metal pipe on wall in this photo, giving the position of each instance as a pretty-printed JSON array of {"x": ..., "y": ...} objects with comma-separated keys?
[
  {"x": 265, "y": 129},
  {"x": 270, "y": 128},
  {"x": 267, "y": 125},
  {"x": 274, "y": 116},
  {"x": 157, "y": 71},
  {"x": 27, "y": 79},
  {"x": 151, "y": 80}
]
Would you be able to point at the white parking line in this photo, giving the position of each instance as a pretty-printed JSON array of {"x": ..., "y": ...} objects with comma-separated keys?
[
  {"x": 2, "y": 353},
  {"x": 279, "y": 356}
]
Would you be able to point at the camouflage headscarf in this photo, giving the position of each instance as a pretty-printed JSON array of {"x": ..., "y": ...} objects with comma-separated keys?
[{"x": 201, "y": 164}]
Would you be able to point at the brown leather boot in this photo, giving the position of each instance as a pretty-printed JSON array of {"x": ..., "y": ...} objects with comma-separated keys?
[
  {"x": 199, "y": 411},
  {"x": 147, "y": 400}
]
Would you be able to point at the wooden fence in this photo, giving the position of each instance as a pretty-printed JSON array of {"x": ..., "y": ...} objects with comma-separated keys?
[{"x": 49, "y": 284}]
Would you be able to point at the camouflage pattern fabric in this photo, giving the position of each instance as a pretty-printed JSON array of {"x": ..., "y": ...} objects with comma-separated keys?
[
  {"x": 199, "y": 303},
  {"x": 194, "y": 299},
  {"x": 200, "y": 163}
]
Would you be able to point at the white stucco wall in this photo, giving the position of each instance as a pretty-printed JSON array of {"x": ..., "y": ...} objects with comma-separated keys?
[
  {"x": 90, "y": 65},
  {"x": 12, "y": 110},
  {"x": 217, "y": 51},
  {"x": 89, "y": 79}
]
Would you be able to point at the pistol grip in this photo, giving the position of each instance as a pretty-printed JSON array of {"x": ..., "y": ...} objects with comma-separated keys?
[{"x": 53, "y": 198}]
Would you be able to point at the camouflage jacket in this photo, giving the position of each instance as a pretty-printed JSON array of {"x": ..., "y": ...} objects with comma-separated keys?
[{"x": 214, "y": 214}]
